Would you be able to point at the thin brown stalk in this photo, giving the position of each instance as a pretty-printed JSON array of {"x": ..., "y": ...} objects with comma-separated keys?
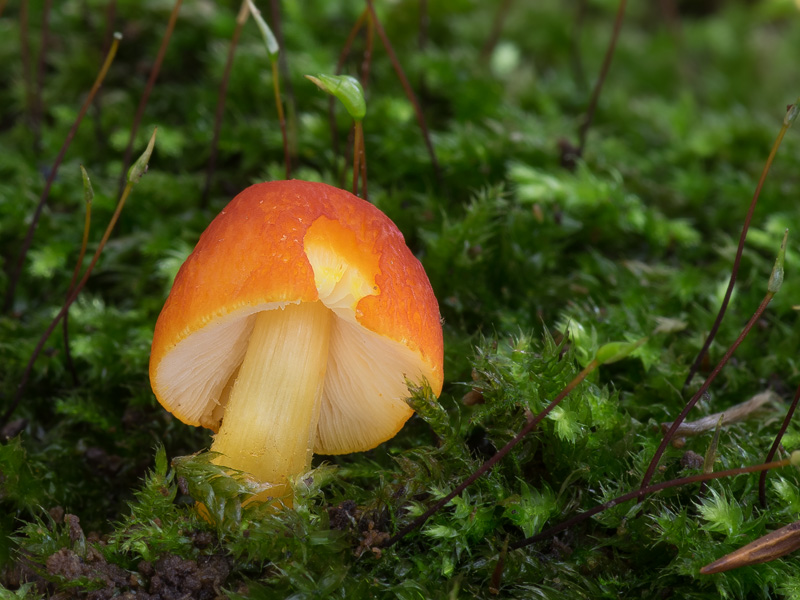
[
  {"x": 689, "y": 405},
  {"x": 241, "y": 19},
  {"x": 38, "y": 109},
  {"x": 276, "y": 85},
  {"x": 72, "y": 296},
  {"x": 739, "y": 250},
  {"x": 406, "y": 88},
  {"x": 359, "y": 160},
  {"x": 762, "y": 480},
  {"x": 612, "y": 44},
  {"x": 26, "y": 244},
  {"x": 487, "y": 466},
  {"x": 148, "y": 88},
  {"x": 348, "y": 43},
  {"x": 549, "y": 533}
]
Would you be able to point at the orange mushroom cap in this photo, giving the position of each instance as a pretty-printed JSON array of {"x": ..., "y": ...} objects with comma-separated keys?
[{"x": 287, "y": 242}]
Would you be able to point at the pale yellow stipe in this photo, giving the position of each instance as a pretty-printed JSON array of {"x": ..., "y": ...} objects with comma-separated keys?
[{"x": 270, "y": 422}]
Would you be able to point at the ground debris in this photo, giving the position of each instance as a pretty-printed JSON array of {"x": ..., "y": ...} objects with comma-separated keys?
[
  {"x": 93, "y": 571},
  {"x": 176, "y": 578},
  {"x": 93, "y": 578}
]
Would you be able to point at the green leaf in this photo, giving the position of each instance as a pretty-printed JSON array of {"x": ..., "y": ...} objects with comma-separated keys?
[
  {"x": 347, "y": 89},
  {"x": 269, "y": 39}
]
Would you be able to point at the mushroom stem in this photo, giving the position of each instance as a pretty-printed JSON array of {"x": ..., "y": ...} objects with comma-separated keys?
[{"x": 270, "y": 422}]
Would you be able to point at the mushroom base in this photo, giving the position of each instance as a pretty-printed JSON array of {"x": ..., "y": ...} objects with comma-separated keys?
[{"x": 270, "y": 420}]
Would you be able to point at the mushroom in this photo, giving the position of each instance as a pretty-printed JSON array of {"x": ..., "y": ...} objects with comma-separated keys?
[{"x": 293, "y": 328}]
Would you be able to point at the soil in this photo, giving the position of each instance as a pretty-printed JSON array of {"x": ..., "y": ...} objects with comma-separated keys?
[{"x": 86, "y": 574}]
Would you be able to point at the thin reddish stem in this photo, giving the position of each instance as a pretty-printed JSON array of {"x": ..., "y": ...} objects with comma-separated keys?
[
  {"x": 762, "y": 480},
  {"x": 26, "y": 244},
  {"x": 689, "y": 405},
  {"x": 739, "y": 250},
  {"x": 241, "y": 19},
  {"x": 148, "y": 88},
  {"x": 406, "y": 88},
  {"x": 612, "y": 44},
  {"x": 348, "y": 43}
]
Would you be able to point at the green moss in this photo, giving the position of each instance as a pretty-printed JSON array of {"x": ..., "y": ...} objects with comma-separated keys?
[{"x": 536, "y": 268}]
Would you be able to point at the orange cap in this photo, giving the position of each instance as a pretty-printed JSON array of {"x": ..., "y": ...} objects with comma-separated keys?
[{"x": 287, "y": 242}]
